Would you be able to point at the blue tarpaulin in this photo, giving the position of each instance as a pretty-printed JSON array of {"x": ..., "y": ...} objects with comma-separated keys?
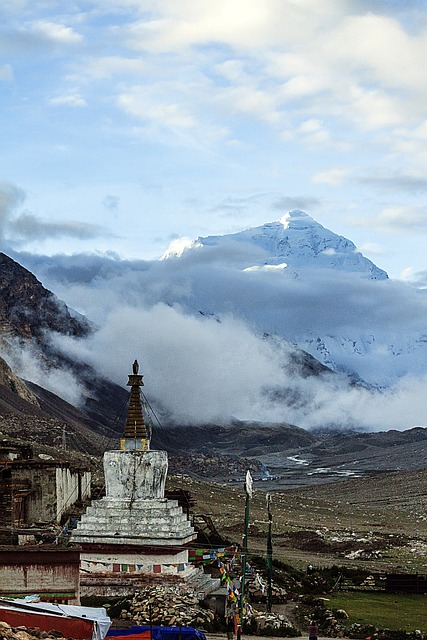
[{"x": 158, "y": 633}]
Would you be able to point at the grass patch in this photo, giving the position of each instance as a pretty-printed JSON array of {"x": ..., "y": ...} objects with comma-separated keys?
[{"x": 385, "y": 611}]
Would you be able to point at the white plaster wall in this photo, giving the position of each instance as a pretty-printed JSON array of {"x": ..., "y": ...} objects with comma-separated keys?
[
  {"x": 64, "y": 491},
  {"x": 67, "y": 488},
  {"x": 136, "y": 564},
  {"x": 130, "y": 558},
  {"x": 86, "y": 485},
  {"x": 135, "y": 475},
  {"x": 36, "y": 578}
]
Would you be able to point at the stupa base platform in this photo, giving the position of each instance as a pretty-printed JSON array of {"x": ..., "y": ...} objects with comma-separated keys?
[{"x": 152, "y": 522}]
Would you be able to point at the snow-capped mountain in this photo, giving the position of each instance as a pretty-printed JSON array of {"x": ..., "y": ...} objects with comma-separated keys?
[
  {"x": 296, "y": 241},
  {"x": 296, "y": 279},
  {"x": 220, "y": 322}
]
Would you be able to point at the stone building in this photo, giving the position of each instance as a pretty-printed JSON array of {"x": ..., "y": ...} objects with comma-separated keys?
[
  {"x": 134, "y": 535},
  {"x": 35, "y": 494},
  {"x": 35, "y": 490}
]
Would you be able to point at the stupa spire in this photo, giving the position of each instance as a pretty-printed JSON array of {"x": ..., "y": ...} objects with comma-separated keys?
[{"x": 135, "y": 436}]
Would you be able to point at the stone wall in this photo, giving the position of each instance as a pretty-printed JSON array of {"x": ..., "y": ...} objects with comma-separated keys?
[
  {"x": 117, "y": 586},
  {"x": 41, "y": 503},
  {"x": 52, "y": 490}
]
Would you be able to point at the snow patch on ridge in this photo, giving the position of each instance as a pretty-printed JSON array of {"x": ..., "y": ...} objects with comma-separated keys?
[{"x": 267, "y": 267}]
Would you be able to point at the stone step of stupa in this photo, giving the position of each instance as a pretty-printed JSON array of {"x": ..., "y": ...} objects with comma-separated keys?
[
  {"x": 153, "y": 508},
  {"x": 135, "y": 527},
  {"x": 117, "y": 538},
  {"x": 170, "y": 514},
  {"x": 202, "y": 583}
]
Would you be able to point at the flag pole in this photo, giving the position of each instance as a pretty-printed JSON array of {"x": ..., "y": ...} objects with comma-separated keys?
[
  {"x": 269, "y": 557},
  {"x": 248, "y": 491}
]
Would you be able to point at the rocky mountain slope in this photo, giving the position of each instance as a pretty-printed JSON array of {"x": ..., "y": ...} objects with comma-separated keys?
[
  {"x": 29, "y": 316},
  {"x": 28, "y": 310},
  {"x": 34, "y": 415}
]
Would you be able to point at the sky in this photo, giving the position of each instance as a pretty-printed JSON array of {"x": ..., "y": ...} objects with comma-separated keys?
[{"x": 127, "y": 124}]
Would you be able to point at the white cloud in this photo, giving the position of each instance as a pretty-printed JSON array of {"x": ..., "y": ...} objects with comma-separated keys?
[
  {"x": 372, "y": 248},
  {"x": 381, "y": 50},
  {"x": 172, "y": 119},
  {"x": 396, "y": 219},
  {"x": 407, "y": 275},
  {"x": 106, "y": 67},
  {"x": 68, "y": 100},
  {"x": 240, "y": 23},
  {"x": 333, "y": 177},
  {"x": 174, "y": 365},
  {"x": 137, "y": 102},
  {"x": 314, "y": 132},
  {"x": 27, "y": 364},
  {"x": 56, "y": 32},
  {"x": 371, "y": 109}
]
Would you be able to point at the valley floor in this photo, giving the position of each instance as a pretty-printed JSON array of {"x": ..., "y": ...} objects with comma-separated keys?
[{"x": 378, "y": 523}]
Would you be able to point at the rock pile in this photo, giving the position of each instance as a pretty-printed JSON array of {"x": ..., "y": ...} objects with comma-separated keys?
[
  {"x": 167, "y": 606},
  {"x": 23, "y": 633},
  {"x": 269, "y": 622},
  {"x": 258, "y": 592}
]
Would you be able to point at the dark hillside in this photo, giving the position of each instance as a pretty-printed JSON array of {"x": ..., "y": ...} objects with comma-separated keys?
[{"x": 28, "y": 310}]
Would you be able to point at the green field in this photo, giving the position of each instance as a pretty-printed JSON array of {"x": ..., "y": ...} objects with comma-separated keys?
[{"x": 385, "y": 611}]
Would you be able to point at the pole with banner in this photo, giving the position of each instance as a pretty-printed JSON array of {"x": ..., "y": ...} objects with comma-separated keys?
[
  {"x": 269, "y": 557},
  {"x": 248, "y": 490}
]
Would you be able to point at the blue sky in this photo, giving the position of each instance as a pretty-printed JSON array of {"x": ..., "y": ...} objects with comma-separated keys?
[
  {"x": 128, "y": 124},
  {"x": 125, "y": 124}
]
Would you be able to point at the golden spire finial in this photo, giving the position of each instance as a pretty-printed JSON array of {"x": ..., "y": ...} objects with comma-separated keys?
[{"x": 135, "y": 434}]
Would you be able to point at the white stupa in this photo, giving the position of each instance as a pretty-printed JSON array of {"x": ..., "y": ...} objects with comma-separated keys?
[{"x": 134, "y": 532}]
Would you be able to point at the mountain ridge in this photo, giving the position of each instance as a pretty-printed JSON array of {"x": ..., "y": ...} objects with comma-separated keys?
[{"x": 300, "y": 241}]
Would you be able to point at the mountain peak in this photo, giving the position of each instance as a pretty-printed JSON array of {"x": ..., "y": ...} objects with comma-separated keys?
[
  {"x": 296, "y": 218},
  {"x": 296, "y": 241}
]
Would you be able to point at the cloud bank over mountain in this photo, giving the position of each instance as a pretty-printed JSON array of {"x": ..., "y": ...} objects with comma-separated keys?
[{"x": 215, "y": 337}]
